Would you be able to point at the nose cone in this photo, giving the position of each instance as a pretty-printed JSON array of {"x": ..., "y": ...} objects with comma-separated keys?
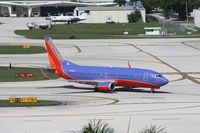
[{"x": 164, "y": 81}]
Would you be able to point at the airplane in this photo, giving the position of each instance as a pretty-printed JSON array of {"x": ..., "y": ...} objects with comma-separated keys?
[
  {"x": 68, "y": 19},
  {"x": 104, "y": 78}
]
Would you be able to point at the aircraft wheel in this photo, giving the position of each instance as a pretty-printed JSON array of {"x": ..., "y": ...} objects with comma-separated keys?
[
  {"x": 152, "y": 91},
  {"x": 96, "y": 89}
]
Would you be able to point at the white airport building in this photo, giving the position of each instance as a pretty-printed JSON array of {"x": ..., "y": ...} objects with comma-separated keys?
[
  {"x": 100, "y": 11},
  {"x": 196, "y": 15},
  {"x": 113, "y": 14},
  {"x": 46, "y": 7},
  {"x": 105, "y": 14},
  {"x": 154, "y": 31}
]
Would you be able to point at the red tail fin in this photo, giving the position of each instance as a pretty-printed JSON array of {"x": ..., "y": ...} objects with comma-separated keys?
[{"x": 55, "y": 57}]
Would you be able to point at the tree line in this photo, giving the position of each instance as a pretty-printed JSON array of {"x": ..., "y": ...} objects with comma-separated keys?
[{"x": 178, "y": 6}]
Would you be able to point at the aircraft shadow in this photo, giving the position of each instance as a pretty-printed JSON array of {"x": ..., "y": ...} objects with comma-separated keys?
[
  {"x": 91, "y": 90},
  {"x": 123, "y": 89},
  {"x": 86, "y": 90}
]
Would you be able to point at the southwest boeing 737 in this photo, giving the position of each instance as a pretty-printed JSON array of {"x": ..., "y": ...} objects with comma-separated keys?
[{"x": 104, "y": 78}]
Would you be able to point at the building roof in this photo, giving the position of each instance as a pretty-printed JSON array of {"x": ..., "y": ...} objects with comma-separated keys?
[
  {"x": 39, "y": 3},
  {"x": 113, "y": 8},
  {"x": 83, "y": 1}
]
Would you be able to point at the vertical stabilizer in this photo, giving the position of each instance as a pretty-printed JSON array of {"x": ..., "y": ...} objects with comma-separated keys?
[{"x": 55, "y": 57}]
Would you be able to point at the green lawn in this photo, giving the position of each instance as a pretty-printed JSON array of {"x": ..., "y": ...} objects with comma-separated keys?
[
  {"x": 5, "y": 103},
  {"x": 9, "y": 75},
  {"x": 88, "y": 31},
  {"x": 20, "y": 50}
]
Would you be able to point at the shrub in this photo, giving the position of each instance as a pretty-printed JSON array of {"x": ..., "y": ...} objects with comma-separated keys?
[{"x": 134, "y": 17}]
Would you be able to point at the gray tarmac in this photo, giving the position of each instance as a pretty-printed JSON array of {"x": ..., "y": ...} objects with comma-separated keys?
[{"x": 175, "y": 106}]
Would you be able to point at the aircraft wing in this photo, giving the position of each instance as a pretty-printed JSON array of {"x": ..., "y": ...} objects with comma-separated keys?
[{"x": 92, "y": 82}]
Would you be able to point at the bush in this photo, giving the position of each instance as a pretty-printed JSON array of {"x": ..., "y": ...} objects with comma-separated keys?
[
  {"x": 134, "y": 17},
  {"x": 72, "y": 37}
]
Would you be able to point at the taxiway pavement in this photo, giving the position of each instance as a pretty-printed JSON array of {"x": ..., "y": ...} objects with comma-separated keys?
[{"x": 175, "y": 106}]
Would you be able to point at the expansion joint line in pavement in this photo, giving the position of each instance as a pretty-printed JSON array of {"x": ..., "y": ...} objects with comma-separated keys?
[
  {"x": 78, "y": 49},
  {"x": 190, "y": 46},
  {"x": 186, "y": 76}
]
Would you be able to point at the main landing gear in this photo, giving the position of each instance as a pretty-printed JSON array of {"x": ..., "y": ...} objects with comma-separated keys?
[{"x": 152, "y": 90}]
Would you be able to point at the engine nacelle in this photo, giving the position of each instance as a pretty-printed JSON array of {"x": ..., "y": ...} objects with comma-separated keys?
[{"x": 106, "y": 86}]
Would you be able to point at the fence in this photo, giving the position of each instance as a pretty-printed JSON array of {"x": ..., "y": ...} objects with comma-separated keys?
[{"x": 174, "y": 25}]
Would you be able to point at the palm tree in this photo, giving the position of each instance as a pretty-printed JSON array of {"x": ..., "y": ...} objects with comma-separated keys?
[
  {"x": 120, "y": 2},
  {"x": 97, "y": 127},
  {"x": 153, "y": 129}
]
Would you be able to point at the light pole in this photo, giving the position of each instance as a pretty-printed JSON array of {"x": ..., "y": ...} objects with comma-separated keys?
[{"x": 186, "y": 10}]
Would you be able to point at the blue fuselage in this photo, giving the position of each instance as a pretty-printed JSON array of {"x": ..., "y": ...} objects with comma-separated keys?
[{"x": 123, "y": 75}]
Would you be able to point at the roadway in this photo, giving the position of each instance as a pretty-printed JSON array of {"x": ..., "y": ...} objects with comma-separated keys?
[{"x": 175, "y": 106}]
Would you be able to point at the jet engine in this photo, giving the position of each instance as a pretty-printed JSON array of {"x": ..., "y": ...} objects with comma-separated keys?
[{"x": 106, "y": 86}]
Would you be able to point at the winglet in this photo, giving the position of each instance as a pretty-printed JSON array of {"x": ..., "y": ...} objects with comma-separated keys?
[{"x": 129, "y": 64}]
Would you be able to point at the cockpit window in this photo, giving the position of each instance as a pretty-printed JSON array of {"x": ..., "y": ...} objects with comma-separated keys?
[{"x": 157, "y": 76}]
